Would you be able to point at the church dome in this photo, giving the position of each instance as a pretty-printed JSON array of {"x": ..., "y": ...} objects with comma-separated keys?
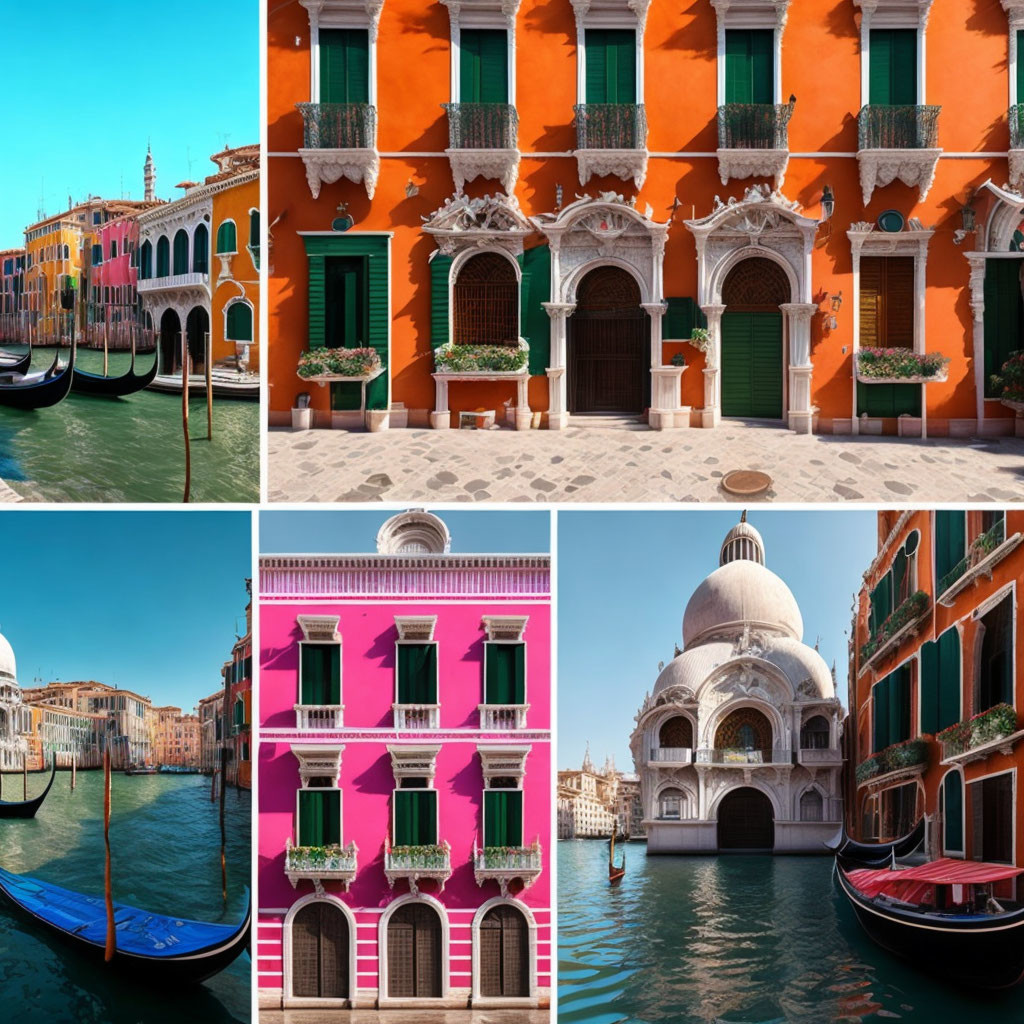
[
  {"x": 742, "y": 542},
  {"x": 8, "y": 668}
]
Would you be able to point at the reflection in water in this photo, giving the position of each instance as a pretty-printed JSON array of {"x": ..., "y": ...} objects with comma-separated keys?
[
  {"x": 736, "y": 939},
  {"x": 165, "y": 840},
  {"x": 130, "y": 449}
]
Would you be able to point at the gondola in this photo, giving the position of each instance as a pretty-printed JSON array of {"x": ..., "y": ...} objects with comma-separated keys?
[
  {"x": 85, "y": 383},
  {"x": 875, "y": 855},
  {"x": 38, "y": 390},
  {"x": 16, "y": 364},
  {"x": 615, "y": 871},
  {"x": 27, "y": 808},
  {"x": 943, "y": 917},
  {"x": 156, "y": 948}
]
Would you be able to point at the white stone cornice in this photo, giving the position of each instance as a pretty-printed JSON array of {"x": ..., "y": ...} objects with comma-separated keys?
[
  {"x": 913, "y": 242},
  {"x": 482, "y": 10},
  {"x": 879, "y": 167},
  {"x": 606, "y": 13},
  {"x": 1014, "y": 12},
  {"x": 497, "y": 164},
  {"x": 753, "y": 163},
  {"x": 339, "y": 13},
  {"x": 895, "y": 13},
  {"x": 751, "y": 13},
  {"x": 326, "y": 166}
]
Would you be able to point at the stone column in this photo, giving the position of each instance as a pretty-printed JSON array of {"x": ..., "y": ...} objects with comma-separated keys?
[
  {"x": 798, "y": 318},
  {"x": 977, "y": 284},
  {"x": 558, "y": 412},
  {"x": 441, "y": 417},
  {"x": 711, "y": 414}
]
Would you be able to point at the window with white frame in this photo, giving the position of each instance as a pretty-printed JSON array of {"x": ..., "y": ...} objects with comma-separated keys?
[{"x": 504, "y": 769}]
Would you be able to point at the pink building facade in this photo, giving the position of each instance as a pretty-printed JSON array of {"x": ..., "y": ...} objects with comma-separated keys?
[
  {"x": 112, "y": 275},
  {"x": 405, "y": 776}
]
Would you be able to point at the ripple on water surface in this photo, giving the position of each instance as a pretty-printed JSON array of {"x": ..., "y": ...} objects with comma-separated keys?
[
  {"x": 165, "y": 839},
  {"x": 737, "y": 940}
]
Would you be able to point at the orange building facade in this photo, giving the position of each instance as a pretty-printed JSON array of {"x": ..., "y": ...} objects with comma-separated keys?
[
  {"x": 937, "y": 685},
  {"x": 868, "y": 212}
]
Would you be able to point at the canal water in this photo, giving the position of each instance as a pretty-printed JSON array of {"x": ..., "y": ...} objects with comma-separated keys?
[
  {"x": 751, "y": 939},
  {"x": 128, "y": 449},
  {"x": 165, "y": 842}
]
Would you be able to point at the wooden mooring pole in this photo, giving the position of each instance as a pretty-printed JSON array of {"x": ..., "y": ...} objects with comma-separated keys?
[
  {"x": 111, "y": 946},
  {"x": 74, "y": 780},
  {"x": 24, "y": 777},
  {"x": 209, "y": 387},
  {"x": 184, "y": 416}
]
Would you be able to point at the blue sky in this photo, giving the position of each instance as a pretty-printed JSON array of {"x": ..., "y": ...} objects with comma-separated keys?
[
  {"x": 623, "y": 582},
  {"x": 483, "y": 531},
  {"x": 87, "y": 86},
  {"x": 150, "y": 601}
]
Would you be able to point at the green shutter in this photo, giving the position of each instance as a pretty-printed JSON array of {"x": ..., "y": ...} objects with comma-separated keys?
[
  {"x": 344, "y": 66},
  {"x": 752, "y": 364},
  {"x": 899, "y": 571},
  {"x": 949, "y": 678},
  {"x": 880, "y": 714},
  {"x": 892, "y": 70},
  {"x": 503, "y": 817},
  {"x": 415, "y": 817},
  {"x": 929, "y": 687},
  {"x": 1004, "y": 310},
  {"x": 682, "y": 315},
  {"x": 321, "y": 674},
  {"x": 889, "y": 400},
  {"x": 1020, "y": 67},
  {"x": 440, "y": 268},
  {"x": 239, "y": 325},
  {"x": 319, "y": 817},
  {"x": 506, "y": 674},
  {"x": 226, "y": 238},
  {"x": 534, "y": 322},
  {"x": 611, "y": 66},
  {"x": 950, "y": 543},
  {"x": 483, "y": 66},
  {"x": 417, "y": 673},
  {"x": 953, "y": 809},
  {"x": 749, "y": 66}
]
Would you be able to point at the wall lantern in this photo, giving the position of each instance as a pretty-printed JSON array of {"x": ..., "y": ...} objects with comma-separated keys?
[
  {"x": 837, "y": 301},
  {"x": 828, "y": 203},
  {"x": 968, "y": 216}
]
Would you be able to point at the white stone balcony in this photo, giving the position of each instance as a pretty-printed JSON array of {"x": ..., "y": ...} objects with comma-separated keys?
[
  {"x": 504, "y": 864},
  {"x": 319, "y": 864},
  {"x": 503, "y": 716},
  {"x": 897, "y": 142},
  {"x": 819, "y": 756},
  {"x": 340, "y": 141},
  {"x": 174, "y": 282},
  {"x": 319, "y": 716},
  {"x": 736, "y": 757},
  {"x": 671, "y": 756},
  {"x": 416, "y": 716},
  {"x": 415, "y": 863}
]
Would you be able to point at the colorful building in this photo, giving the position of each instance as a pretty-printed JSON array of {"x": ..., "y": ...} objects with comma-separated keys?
[
  {"x": 587, "y": 214},
  {"x": 177, "y": 738},
  {"x": 12, "y": 282},
  {"x": 405, "y": 776},
  {"x": 238, "y": 730},
  {"x": 587, "y": 801},
  {"x": 112, "y": 314},
  {"x": 74, "y": 738},
  {"x": 936, "y": 684}
]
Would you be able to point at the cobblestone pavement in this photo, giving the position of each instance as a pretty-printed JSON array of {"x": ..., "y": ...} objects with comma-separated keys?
[{"x": 627, "y": 463}]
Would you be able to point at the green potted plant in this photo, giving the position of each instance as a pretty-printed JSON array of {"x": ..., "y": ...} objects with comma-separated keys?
[
  {"x": 1009, "y": 382},
  {"x": 454, "y": 358},
  {"x": 700, "y": 339}
]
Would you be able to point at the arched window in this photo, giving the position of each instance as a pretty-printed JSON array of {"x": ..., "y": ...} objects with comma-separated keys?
[
  {"x": 239, "y": 322},
  {"x": 163, "y": 257},
  {"x": 486, "y": 302},
  {"x": 670, "y": 804},
  {"x": 815, "y": 734},
  {"x": 811, "y": 806},
  {"x": 146, "y": 261},
  {"x": 181, "y": 252},
  {"x": 953, "y": 813},
  {"x": 226, "y": 238},
  {"x": 201, "y": 250}
]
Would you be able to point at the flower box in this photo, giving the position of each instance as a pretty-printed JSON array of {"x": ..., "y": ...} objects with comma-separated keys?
[
  {"x": 325, "y": 365},
  {"x": 900, "y": 366},
  {"x": 985, "y": 727},
  {"x": 1009, "y": 382},
  {"x": 906, "y": 612},
  {"x": 894, "y": 758},
  {"x": 482, "y": 359}
]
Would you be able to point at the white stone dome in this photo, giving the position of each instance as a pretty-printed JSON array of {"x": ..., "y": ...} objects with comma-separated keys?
[
  {"x": 738, "y": 594},
  {"x": 8, "y": 667}
]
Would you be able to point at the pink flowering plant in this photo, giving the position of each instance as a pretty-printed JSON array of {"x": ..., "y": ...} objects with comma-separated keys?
[
  {"x": 907, "y": 611},
  {"x": 1009, "y": 382},
  {"x": 342, "y": 362},
  {"x": 998, "y": 721},
  {"x": 899, "y": 363},
  {"x": 451, "y": 358}
]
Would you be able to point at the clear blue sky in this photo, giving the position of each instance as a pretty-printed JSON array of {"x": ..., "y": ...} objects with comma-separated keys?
[
  {"x": 150, "y": 601},
  {"x": 623, "y": 582},
  {"x": 482, "y": 531},
  {"x": 87, "y": 85}
]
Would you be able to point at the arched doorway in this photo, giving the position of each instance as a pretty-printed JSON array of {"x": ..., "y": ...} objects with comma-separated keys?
[
  {"x": 752, "y": 363},
  {"x": 504, "y": 962},
  {"x": 320, "y": 952},
  {"x": 609, "y": 357},
  {"x": 746, "y": 821},
  {"x": 170, "y": 342},
  {"x": 197, "y": 328},
  {"x": 414, "y": 953}
]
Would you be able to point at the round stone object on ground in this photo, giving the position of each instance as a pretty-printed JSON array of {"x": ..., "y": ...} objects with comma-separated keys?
[{"x": 746, "y": 482}]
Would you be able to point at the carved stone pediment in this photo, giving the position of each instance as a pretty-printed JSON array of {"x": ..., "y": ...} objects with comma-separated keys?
[
  {"x": 676, "y": 694},
  {"x": 463, "y": 221}
]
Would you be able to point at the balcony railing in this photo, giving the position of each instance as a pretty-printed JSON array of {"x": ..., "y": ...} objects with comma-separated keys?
[
  {"x": 892, "y": 630},
  {"x": 417, "y": 862},
  {"x": 994, "y": 724},
  {"x": 819, "y": 755},
  {"x": 980, "y": 547},
  {"x": 319, "y": 716},
  {"x": 339, "y": 125},
  {"x": 610, "y": 125},
  {"x": 675, "y": 755},
  {"x": 741, "y": 756},
  {"x": 894, "y": 758},
  {"x": 321, "y": 863},
  {"x": 885, "y": 127},
  {"x": 482, "y": 125},
  {"x": 416, "y": 716},
  {"x": 754, "y": 125},
  {"x": 503, "y": 716},
  {"x": 170, "y": 281},
  {"x": 504, "y": 864}
]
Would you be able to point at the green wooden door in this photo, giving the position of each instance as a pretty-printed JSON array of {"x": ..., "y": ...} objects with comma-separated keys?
[
  {"x": 611, "y": 65},
  {"x": 345, "y": 317},
  {"x": 892, "y": 67},
  {"x": 1004, "y": 316},
  {"x": 344, "y": 65},
  {"x": 749, "y": 66},
  {"x": 483, "y": 66},
  {"x": 752, "y": 365}
]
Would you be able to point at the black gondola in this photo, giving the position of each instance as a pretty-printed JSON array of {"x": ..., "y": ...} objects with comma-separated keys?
[
  {"x": 16, "y": 364},
  {"x": 27, "y": 808},
  {"x": 39, "y": 390},
  {"x": 156, "y": 948},
  {"x": 876, "y": 855},
  {"x": 942, "y": 917},
  {"x": 85, "y": 383}
]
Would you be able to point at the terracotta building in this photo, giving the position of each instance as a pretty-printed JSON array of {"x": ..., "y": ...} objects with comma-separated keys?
[{"x": 936, "y": 685}]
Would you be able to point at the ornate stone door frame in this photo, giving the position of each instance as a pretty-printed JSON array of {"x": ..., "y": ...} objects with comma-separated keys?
[
  {"x": 593, "y": 232},
  {"x": 765, "y": 224}
]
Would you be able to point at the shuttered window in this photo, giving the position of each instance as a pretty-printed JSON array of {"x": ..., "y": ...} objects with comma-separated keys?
[
  {"x": 163, "y": 257},
  {"x": 953, "y": 813},
  {"x": 752, "y": 364},
  {"x": 503, "y": 817},
  {"x": 415, "y": 814},
  {"x": 749, "y": 65},
  {"x": 991, "y": 807},
  {"x": 440, "y": 269},
  {"x": 239, "y": 322},
  {"x": 940, "y": 682},
  {"x": 892, "y": 67},
  {"x": 417, "y": 673},
  {"x": 995, "y": 684},
  {"x": 1004, "y": 312},
  {"x": 682, "y": 315},
  {"x": 505, "y": 673},
  {"x": 534, "y": 322},
  {"x": 344, "y": 65},
  {"x": 201, "y": 250},
  {"x": 319, "y": 817},
  {"x": 881, "y": 603},
  {"x": 483, "y": 66},
  {"x": 320, "y": 678},
  {"x": 226, "y": 237},
  {"x": 887, "y": 321},
  {"x": 891, "y": 709},
  {"x": 611, "y": 65},
  {"x": 181, "y": 253},
  {"x": 950, "y": 540}
]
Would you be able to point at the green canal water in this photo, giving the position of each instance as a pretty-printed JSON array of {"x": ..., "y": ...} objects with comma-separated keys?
[
  {"x": 165, "y": 841},
  {"x": 128, "y": 449},
  {"x": 751, "y": 939}
]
